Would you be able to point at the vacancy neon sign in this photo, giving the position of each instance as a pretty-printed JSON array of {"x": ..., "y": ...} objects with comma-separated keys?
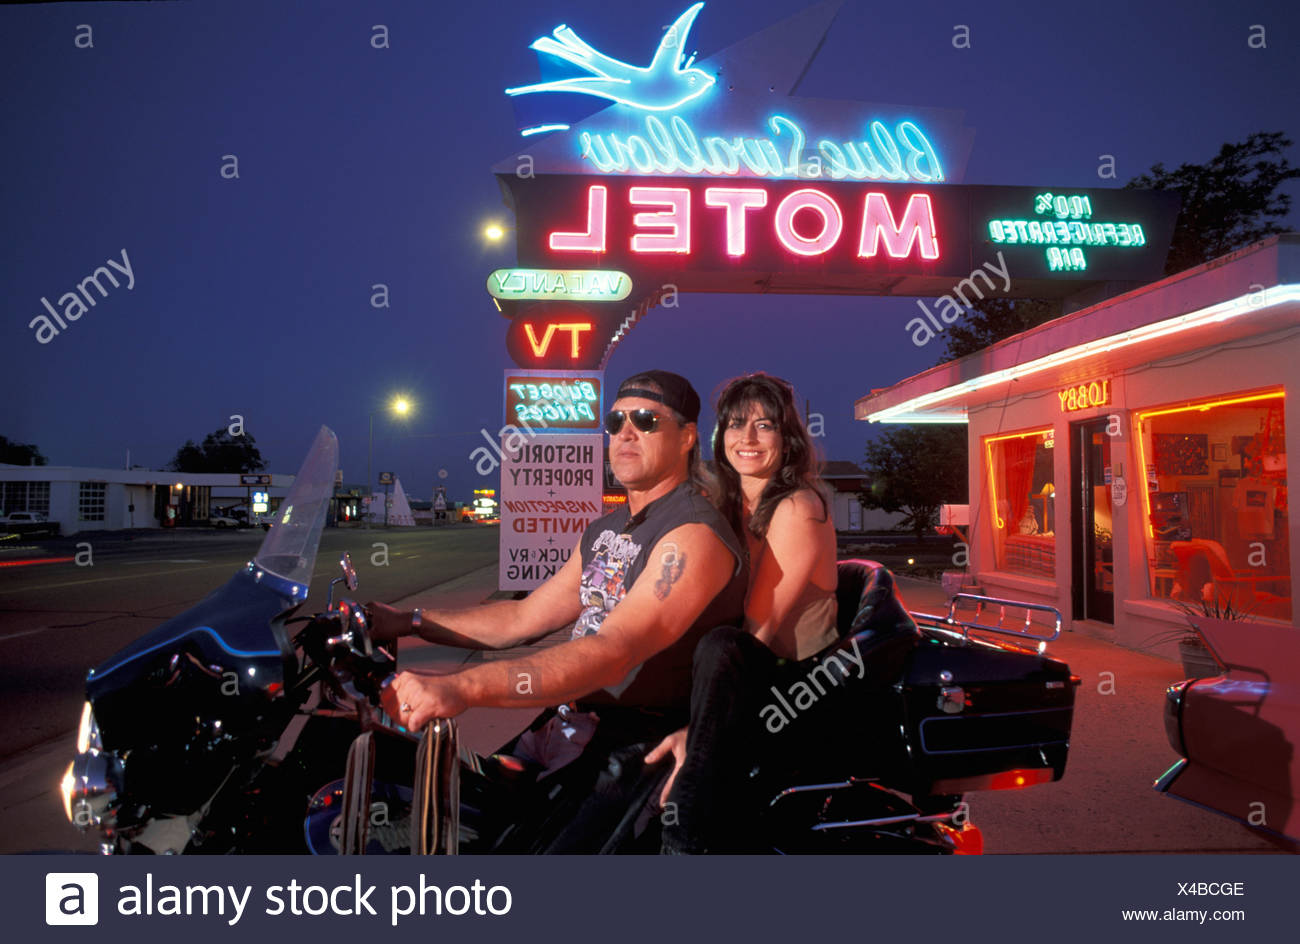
[{"x": 807, "y": 222}]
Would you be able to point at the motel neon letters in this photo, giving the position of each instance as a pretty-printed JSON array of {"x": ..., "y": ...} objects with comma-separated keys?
[
  {"x": 1084, "y": 396},
  {"x": 806, "y": 222}
]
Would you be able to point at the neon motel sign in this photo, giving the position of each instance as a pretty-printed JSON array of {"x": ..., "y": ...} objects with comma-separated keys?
[{"x": 807, "y": 222}]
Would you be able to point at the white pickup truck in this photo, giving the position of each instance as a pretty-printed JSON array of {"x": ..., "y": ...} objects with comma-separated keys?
[{"x": 27, "y": 522}]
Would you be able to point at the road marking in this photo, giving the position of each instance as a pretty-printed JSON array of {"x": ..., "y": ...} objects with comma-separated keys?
[
  {"x": 78, "y": 583},
  {"x": 190, "y": 560},
  {"x": 26, "y": 632}
]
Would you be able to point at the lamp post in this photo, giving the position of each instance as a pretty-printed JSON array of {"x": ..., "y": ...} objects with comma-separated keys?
[{"x": 400, "y": 406}]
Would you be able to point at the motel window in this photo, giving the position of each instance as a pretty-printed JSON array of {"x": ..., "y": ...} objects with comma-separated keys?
[
  {"x": 25, "y": 496},
  {"x": 90, "y": 502},
  {"x": 1019, "y": 469},
  {"x": 1216, "y": 503}
]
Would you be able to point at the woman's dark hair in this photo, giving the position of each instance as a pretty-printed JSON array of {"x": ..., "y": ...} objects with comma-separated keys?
[{"x": 799, "y": 460}]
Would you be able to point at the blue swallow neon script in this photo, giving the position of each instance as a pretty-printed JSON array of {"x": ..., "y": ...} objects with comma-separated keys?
[
  {"x": 667, "y": 83},
  {"x": 903, "y": 153}
]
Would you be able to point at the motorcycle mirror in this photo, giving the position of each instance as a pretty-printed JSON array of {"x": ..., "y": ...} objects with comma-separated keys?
[{"x": 349, "y": 572}]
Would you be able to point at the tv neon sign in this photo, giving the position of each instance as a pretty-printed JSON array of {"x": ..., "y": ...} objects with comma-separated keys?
[
  {"x": 602, "y": 285},
  {"x": 807, "y": 222},
  {"x": 1067, "y": 233},
  {"x": 556, "y": 338}
]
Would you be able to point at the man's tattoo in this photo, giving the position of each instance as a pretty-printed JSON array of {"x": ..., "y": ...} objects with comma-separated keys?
[{"x": 674, "y": 562}]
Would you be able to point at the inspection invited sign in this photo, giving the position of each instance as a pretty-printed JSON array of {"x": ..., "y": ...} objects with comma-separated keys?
[{"x": 551, "y": 487}]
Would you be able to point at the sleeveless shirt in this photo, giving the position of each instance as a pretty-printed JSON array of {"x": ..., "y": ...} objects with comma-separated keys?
[{"x": 615, "y": 551}]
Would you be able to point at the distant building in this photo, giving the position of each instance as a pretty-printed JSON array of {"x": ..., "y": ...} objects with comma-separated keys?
[
  {"x": 90, "y": 499},
  {"x": 845, "y": 481}
]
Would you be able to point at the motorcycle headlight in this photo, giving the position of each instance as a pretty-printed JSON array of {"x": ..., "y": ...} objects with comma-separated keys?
[
  {"x": 91, "y": 784},
  {"x": 88, "y": 731}
]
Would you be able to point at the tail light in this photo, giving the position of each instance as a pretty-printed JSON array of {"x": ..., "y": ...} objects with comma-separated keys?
[
  {"x": 1006, "y": 780},
  {"x": 965, "y": 841}
]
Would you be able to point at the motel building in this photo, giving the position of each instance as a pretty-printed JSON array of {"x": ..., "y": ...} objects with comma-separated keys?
[
  {"x": 94, "y": 499},
  {"x": 1132, "y": 456}
]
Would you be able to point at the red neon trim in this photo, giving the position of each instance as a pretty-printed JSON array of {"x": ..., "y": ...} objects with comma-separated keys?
[
  {"x": 593, "y": 240},
  {"x": 735, "y": 200},
  {"x": 676, "y": 219},
  {"x": 876, "y": 213},
  {"x": 36, "y": 560},
  {"x": 808, "y": 199}
]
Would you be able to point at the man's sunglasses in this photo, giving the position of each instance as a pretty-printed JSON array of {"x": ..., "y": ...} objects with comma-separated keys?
[{"x": 645, "y": 420}]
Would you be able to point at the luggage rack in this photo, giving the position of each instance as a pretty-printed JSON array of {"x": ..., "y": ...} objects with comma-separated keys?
[{"x": 1024, "y": 628}]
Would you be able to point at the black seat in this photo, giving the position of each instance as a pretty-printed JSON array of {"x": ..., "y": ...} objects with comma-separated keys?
[{"x": 871, "y": 613}]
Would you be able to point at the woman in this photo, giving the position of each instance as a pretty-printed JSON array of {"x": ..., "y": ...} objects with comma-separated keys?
[{"x": 769, "y": 490}]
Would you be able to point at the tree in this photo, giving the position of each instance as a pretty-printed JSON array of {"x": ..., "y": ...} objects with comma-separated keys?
[
  {"x": 916, "y": 469},
  {"x": 16, "y": 453},
  {"x": 995, "y": 319},
  {"x": 219, "y": 452},
  {"x": 1229, "y": 202}
]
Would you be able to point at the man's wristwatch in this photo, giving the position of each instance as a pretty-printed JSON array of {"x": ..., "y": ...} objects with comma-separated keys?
[{"x": 417, "y": 621}]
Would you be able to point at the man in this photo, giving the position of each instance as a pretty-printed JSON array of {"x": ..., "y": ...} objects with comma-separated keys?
[{"x": 645, "y": 583}]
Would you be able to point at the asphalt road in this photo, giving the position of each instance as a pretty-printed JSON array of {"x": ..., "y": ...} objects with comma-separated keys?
[{"x": 60, "y": 618}]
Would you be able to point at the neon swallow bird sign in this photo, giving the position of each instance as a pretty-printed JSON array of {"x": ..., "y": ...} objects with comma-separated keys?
[{"x": 667, "y": 83}]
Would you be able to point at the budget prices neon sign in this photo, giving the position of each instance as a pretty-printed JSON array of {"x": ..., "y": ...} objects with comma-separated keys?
[
  {"x": 1063, "y": 225},
  {"x": 807, "y": 222},
  {"x": 553, "y": 400}
]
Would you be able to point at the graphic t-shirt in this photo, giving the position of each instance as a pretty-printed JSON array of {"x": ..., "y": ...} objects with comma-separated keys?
[{"x": 615, "y": 551}]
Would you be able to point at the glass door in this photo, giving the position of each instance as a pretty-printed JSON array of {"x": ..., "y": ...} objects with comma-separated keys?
[{"x": 1093, "y": 562}]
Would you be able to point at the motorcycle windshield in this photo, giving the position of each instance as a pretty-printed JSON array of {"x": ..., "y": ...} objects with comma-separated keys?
[{"x": 289, "y": 550}]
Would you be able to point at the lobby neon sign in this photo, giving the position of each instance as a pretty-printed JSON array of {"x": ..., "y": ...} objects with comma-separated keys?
[{"x": 807, "y": 222}]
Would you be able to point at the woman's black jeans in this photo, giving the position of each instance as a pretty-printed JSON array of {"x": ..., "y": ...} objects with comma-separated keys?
[{"x": 731, "y": 682}]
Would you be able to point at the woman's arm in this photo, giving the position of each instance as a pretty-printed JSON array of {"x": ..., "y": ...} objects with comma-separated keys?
[{"x": 798, "y": 537}]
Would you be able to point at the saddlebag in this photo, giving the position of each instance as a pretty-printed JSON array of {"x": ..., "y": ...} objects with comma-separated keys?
[{"x": 979, "y": 715}]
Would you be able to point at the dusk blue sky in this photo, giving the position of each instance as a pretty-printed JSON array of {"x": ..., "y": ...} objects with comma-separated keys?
[{"x": 360, "y": 166}]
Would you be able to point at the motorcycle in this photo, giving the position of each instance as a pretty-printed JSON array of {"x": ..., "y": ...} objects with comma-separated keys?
[{"x": 248, "y": 724}]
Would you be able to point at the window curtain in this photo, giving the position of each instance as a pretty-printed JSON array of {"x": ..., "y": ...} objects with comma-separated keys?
[{"x": 1018, "y": 460}]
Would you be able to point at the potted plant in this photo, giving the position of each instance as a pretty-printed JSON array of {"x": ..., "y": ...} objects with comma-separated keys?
[{"x": 1198, "y": 658}]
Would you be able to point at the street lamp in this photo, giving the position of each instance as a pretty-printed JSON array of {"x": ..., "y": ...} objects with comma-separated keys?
[
  {"x": 400, "y": 406},
  {"x": 494, "y": 232}
]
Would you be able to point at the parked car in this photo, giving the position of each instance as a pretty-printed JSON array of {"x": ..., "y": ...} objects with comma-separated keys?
[
  {"x": 220, "y": 519},
  {"x": 28, "y": 522},
  {"x": 1236, "y": 731}
]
